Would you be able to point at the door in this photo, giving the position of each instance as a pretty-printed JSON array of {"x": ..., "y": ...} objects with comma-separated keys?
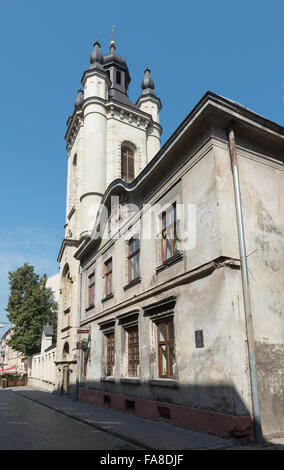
[{"x": 65, "y": 379}]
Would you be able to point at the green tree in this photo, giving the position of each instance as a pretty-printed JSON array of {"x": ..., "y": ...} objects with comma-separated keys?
[{"x": 30, "y": 306}]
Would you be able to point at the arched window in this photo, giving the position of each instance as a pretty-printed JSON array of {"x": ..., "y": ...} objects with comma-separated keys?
[
  {"x": 118, "y": 77},
  {"x": 65, "y": 352},
  {"x": 73, "y": 182},
  {"x": 127, "y": 162},
  {"x": 66, "y": 286}
]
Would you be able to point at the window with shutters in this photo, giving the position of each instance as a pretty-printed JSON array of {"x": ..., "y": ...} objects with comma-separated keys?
[{"x": 127, "y": 162}]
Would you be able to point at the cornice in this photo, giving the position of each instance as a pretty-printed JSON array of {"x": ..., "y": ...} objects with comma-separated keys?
[
  {"x": 66, "y": 242},
  {"x": 181, "y": 279}
]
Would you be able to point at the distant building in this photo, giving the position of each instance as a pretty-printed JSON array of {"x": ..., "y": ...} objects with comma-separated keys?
[
  {"x": 41, "y": 367},
  {"x": 11, "y": 362}
]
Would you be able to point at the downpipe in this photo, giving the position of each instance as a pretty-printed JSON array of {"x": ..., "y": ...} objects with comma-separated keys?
[
  {"x": 246, "y": 290},
  {"x": 78, "y": 364}
]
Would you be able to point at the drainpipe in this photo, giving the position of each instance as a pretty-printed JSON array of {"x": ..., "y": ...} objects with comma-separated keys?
[
  {"x": 78, "y": 335},
  {"x": 246, "y": 290}
]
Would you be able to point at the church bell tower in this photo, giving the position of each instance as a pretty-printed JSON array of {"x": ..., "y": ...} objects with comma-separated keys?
[{"x": 108, "y": 137}]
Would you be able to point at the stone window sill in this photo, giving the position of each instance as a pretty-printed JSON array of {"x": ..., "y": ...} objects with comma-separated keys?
[
  {"x": 90, "y": 307},
  {"x": 65, "y": 328},
  {"x": 130, "y": 380},
  {"x": 132, "y": 283},
  {"x": 108, "y": 379},
  {"x": 169, "y": 262},
  {"x": 110, "y": 296},
  {"x": 164, "y": 383}
]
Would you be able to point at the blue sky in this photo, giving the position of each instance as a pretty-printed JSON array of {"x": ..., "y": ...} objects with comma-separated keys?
[{"x": 234, "y": 49}]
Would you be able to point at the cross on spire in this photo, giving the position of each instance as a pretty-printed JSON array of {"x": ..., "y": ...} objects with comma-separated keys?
[{"x": 112, "y": 32}]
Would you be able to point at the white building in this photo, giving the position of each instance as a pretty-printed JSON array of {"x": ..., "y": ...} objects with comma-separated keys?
[
  {"x": 108, "y": 137},
  {"x": 174, "y": 332}
]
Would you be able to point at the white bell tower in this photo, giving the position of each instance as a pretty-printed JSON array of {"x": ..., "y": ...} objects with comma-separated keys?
[{"x": 108, "y": 137}]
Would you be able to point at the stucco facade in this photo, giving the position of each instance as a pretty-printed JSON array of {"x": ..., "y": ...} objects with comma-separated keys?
[
  {"x": 200, "y": 288},
  {"x": 11, "y": 361},
  {"x": 104, "y": 121},
  {"x": 41, "y": 368}
]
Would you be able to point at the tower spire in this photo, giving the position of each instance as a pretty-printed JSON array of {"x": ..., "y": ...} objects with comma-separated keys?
[{"x": 112, "y": 42}]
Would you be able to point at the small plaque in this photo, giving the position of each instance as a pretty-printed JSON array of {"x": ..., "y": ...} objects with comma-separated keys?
[{"x": 199, "y": 341}]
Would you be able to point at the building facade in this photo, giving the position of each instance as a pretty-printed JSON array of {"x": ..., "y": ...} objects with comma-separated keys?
[
  {"x": 172, "y": 261},
  {"x": 11, "y": 362},
  {"x": 107, "y": 136},
  {"x": 162, "y": 291},
  {"x": 41, "y": 368}
]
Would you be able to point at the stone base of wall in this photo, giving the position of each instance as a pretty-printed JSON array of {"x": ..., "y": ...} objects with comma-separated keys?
[
  {"x": 42, "y": 384},
  {"x": 210, "y": 422}
]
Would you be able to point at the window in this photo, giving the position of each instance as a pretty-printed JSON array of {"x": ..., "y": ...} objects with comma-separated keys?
[
  {"x": 133, "y": 259},
  {"x": 91, "y": 290},
  {"x": 133, "y": 351},
  {"x": 84, "y": 363},
  {"x": 66, "y": 291},
  {"x": 110, "y": 354},
  {"x": 169, "y": 236},
  {"x": 108, "y": 276},
  {"x": 127, "y": 163},
  {"x": 118, "y": 77},
  {"x": 166, "y": 356}
]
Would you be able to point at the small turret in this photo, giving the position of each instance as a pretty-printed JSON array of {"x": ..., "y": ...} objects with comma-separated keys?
[
  {"x": 96, "y": 57},
  {"x": 151, "y": 104},
  {"x": 79, "y": 99},
  {"x": 147, "y": 84}
]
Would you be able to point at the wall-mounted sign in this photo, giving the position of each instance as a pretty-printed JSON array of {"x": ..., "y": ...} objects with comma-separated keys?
[
  {"x": 83, "y": 332},
  {"x": 199, "y": 341}
]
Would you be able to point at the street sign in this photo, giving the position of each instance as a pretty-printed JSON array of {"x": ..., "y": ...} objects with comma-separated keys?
[{"x": 83, "y": 331}]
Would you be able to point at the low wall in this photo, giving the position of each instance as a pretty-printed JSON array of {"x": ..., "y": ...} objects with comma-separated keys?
[{"x": 219, "y": 424}]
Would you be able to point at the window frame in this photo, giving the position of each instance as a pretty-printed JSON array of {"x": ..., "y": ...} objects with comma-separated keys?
[
  {"x": 167, "y": 342},
  {"x": 133, "y": 255},
  {"x": 108, "y": 276},
  {"x": 166, "y": 226},
  {"x": 91, "y": 289},
  {"x": 133, "y": 358},
  {"x": 127, "y": 156},
  {"x": 110, "y": 353}
]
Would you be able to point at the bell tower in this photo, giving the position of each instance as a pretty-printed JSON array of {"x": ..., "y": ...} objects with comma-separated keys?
[{"x": 107, "y": 137}]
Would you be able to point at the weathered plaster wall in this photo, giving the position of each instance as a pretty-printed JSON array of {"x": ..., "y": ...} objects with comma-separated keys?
[
  {"x": 262, "y": 187},
  {"x": 214, "y": 377}
]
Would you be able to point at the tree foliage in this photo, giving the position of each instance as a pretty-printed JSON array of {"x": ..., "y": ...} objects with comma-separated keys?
[{"x": 30, "y": 306}]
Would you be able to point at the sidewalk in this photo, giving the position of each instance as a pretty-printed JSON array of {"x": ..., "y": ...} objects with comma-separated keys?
[{"x": 146, "y": 434}]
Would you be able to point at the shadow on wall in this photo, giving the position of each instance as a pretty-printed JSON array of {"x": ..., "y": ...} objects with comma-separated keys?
[
  {"x": 125, "y": 404},
  {"x": 217, "y": 410}
]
